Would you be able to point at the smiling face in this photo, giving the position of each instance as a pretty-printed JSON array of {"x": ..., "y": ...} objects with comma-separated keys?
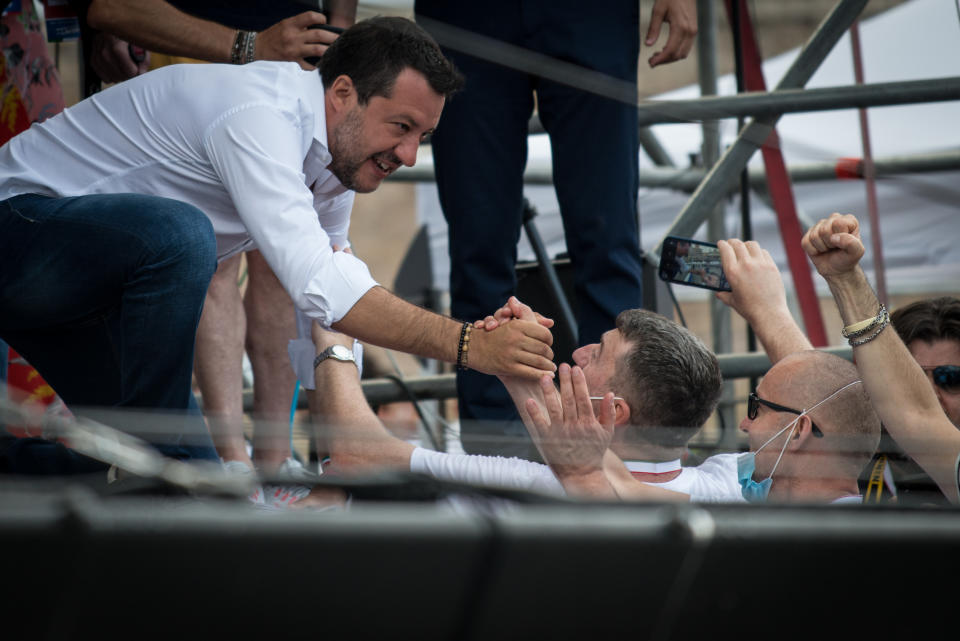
[
  {"x": 370, "y": 141},
  {"x": 933, "y": 354}
]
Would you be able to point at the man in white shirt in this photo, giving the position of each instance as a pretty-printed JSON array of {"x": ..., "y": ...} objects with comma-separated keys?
[
  {"x": 113, "y": 214},
  {"x": 810, "y": 424},
  {"x": 666, "y": 382}
]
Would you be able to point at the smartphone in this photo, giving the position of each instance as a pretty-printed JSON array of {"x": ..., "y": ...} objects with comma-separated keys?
[
  {"x": 315, "y": 60},
  {"x": 692, "y": 262}
]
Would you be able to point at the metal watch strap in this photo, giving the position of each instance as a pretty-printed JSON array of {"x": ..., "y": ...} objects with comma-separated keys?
[{"x": 331, "y": 352}]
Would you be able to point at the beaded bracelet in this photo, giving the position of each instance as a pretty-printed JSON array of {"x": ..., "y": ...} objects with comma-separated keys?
[
  {"x": 463, "y": 347},
  {"x": 858, "y": 338},
  {"x": 243, "y": 47},
  {"x": 859, "y": 329}
]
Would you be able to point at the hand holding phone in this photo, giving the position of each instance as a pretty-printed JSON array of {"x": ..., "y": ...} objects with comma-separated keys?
[{"x": 692, "y": 262}]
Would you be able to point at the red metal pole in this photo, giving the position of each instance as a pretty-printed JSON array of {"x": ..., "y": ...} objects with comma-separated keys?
[{"x": 781, "y": 191}]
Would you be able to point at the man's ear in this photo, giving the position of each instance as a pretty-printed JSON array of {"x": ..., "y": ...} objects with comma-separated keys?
[
  {"x": 621, "y": 412},
  {"x": 803, "y": 432},
  {"x": 341, "y": 95}
]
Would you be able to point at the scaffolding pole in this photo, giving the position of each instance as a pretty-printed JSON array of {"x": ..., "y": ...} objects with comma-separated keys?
[
  {"x": 763, "y": 104},
  {"x": 718, "y": 180},
  {"x": 869, "y": 178},
  {"x": 687, "y": 180},
  {"x": 720, "y": 315},
  {"x": 648, "y": 142}
]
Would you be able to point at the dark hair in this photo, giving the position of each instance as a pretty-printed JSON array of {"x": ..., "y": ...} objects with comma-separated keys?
[
  {"x": 373, "y": 52},
  {"x": 928, "y": 320},
  {"x": 669, "y": 378}
]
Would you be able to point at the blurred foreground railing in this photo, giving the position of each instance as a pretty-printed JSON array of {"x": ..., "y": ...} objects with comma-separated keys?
[{"x": 443, "y": 386}]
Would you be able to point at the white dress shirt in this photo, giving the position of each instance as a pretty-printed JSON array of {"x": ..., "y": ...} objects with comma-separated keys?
[{"x": 245, "y": 144}]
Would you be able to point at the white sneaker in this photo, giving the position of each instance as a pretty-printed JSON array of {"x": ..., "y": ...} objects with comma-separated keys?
[
  {"x": 240, "y": 468},
  {"x": 279, "y": 496}
]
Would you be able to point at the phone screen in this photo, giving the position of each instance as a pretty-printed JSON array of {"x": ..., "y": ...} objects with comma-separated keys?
[{"x": 692, "y": 262}]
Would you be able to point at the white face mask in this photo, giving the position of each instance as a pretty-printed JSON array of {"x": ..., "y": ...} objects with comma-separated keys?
[{"x": 757, "y": 491}]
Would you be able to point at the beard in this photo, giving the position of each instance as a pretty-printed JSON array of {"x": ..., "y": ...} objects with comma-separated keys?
[{"x": 347, "y": 160}]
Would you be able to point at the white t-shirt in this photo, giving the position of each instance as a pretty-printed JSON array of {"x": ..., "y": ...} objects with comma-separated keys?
[{"x": 714, "y": 481}]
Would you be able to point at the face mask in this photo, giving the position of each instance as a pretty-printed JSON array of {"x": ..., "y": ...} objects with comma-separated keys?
[
  {"x": 757, "y": 491},
  {"x": 752, "y": 491}
]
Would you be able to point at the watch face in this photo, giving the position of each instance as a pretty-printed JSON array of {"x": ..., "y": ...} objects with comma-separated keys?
[{"x": 342, "y": 352}]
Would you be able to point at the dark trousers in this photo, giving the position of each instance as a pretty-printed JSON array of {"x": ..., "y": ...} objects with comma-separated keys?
[
  {"x": 102, "y": 295},
  {"x": 480, "y": 150}
]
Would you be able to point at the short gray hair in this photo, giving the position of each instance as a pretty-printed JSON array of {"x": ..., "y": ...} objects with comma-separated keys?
[{"x": 669, "y": 378}]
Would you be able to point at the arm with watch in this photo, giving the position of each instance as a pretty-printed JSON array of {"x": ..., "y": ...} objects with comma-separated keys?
[
  {"x": 357, "y": 441},
  {"x": 895, "y": 382},
  {"x": 159, "y": 26},
  {"x": 356, "y": 438}
]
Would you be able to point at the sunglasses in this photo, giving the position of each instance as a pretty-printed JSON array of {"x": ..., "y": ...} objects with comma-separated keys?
[
  {"x": 753, "y": 406},
  {"x": 946, "y": 377}
]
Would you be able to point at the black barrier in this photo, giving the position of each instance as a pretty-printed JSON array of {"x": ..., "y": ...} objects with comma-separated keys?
[{"x": 82, "y": 566}]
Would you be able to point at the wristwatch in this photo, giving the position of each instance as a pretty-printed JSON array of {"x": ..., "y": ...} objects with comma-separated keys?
[{"x": 339, "y": 352}]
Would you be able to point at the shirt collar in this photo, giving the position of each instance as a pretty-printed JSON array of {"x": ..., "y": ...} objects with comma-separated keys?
[
  {"x": 645, "y": 467},
  {"x": 313, "y": 94},
  {"x": 318, "y": 156}
]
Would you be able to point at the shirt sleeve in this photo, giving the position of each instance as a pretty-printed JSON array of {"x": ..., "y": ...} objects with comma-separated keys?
[
  {"x": 494, "y": 471},
  {"x": 257, "y": 152}
]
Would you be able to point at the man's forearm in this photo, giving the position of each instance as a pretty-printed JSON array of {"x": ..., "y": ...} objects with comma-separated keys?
[
  {"x": 382, "y": 319},
  {"x": 519, "y": 348},
  {"x": 159, "y": 26},
  {"x": 780, "y": 336},
  {"x": 854, "y": 296},
  {"x": 520, "y": 390},
  {"x": 354, "y": 434},
  {"x": 594, "y": 485},
  {"x": 897, "y": 386}
]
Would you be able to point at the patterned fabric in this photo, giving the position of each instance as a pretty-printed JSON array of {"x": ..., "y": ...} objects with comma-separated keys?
[
  {"x": 29, "y": 83},
  {"x": 29, "y": 92}
]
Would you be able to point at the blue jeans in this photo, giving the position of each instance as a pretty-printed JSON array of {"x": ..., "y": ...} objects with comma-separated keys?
[{"x": 102, "y": 295}]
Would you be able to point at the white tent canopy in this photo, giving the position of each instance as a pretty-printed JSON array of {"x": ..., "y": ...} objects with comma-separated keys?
[{"x": 919, "y": 213}]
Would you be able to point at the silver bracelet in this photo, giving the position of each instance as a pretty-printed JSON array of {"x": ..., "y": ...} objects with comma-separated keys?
[
  {"x": 237, "y": 49},
  {"x": 859, "y": 329},
  {"x": 250, "y": 45},
  {"x": 855, "y": 340},
  {"x": 243, "y": 47}
]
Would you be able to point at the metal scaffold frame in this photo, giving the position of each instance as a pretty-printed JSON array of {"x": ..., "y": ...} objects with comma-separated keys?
[{"x": 708, "y": 187}]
